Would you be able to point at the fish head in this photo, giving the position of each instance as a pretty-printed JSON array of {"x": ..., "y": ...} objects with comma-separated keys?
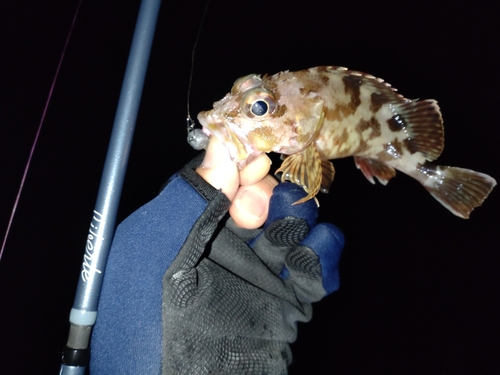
[{"x": 261, "y": 115}]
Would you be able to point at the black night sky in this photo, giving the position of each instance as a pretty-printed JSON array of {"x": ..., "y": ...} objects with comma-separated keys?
[{"x": 419, "y": 286}]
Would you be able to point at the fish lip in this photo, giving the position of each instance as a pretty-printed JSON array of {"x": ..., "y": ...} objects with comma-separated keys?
[{"x": 236, "y": 142}]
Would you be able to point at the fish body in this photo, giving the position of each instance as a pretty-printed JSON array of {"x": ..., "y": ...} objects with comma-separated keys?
[{"x": 323, "y": 113}]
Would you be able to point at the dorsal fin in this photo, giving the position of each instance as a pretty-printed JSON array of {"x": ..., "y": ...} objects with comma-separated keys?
[
  {"x": 423, "y": 121},
  {"x": 384, "y": 91}
]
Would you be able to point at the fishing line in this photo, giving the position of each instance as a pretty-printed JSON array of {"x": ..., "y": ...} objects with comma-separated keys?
[
  {"x": 195, "y": 136},
  {"x": 38, "y": 132}
]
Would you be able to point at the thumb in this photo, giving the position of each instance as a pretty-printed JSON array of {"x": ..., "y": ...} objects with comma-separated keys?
[{"x": 219, "y": 170}]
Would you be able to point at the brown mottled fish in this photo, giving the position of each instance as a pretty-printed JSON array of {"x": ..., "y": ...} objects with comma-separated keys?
[{"x": 323, "y": 113}]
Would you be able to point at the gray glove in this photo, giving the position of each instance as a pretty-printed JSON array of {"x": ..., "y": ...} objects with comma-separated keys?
[{"x": 232, "y": 296}]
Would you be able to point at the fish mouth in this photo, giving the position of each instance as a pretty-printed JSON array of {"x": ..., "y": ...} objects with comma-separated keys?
[{"x": 237, "y": 144}]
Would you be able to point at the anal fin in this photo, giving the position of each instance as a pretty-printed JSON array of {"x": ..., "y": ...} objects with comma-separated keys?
[
  {"x": 374, "y": 168},
  {"x": 305, "y": 169}
]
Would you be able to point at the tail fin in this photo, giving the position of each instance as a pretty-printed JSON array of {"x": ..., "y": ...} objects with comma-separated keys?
[{"x": 459, "y": 190}]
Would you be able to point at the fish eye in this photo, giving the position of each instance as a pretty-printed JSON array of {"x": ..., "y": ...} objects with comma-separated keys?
[
  {"x": 259, "y": 108},
  {"x": 258, "y": 103}
]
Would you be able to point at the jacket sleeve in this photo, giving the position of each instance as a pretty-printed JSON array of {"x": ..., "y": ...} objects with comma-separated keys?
[{"x": 127, "y": 337}]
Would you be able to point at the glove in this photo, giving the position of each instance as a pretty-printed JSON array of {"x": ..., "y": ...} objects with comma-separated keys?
[{"x": 230, "y": 298}]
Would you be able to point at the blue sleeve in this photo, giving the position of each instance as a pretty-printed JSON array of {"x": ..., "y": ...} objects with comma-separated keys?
[{"x": 127, "y": 335}]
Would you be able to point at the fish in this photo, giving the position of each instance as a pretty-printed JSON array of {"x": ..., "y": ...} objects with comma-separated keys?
[{"x": 323, "y": 113}]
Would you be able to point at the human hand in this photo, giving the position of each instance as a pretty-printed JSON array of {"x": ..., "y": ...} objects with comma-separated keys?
[
  {"x": 233, "y": 296},
  {"x": 233, "y": 293},
  {"x": 249, "y": 190},
  {"x": 265, "y": 278}
]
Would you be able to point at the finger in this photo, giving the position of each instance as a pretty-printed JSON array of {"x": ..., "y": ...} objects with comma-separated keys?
[
  {"x": 251, "y": 204},
  {"x": 255, "y": 171},
  {"x": 219, "y": 170}
]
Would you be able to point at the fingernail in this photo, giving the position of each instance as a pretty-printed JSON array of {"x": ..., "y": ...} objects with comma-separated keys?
[{"x": 253, "y": 203}]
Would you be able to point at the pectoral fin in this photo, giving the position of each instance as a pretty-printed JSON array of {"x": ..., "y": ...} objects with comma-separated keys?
[{"x": 306, "y": 169}]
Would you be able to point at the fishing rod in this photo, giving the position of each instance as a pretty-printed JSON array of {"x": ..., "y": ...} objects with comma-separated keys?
[{"x": 84, "y": 312}]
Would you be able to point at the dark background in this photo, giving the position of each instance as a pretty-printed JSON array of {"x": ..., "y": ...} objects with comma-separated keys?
[{"x": 419, "y": 286}]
